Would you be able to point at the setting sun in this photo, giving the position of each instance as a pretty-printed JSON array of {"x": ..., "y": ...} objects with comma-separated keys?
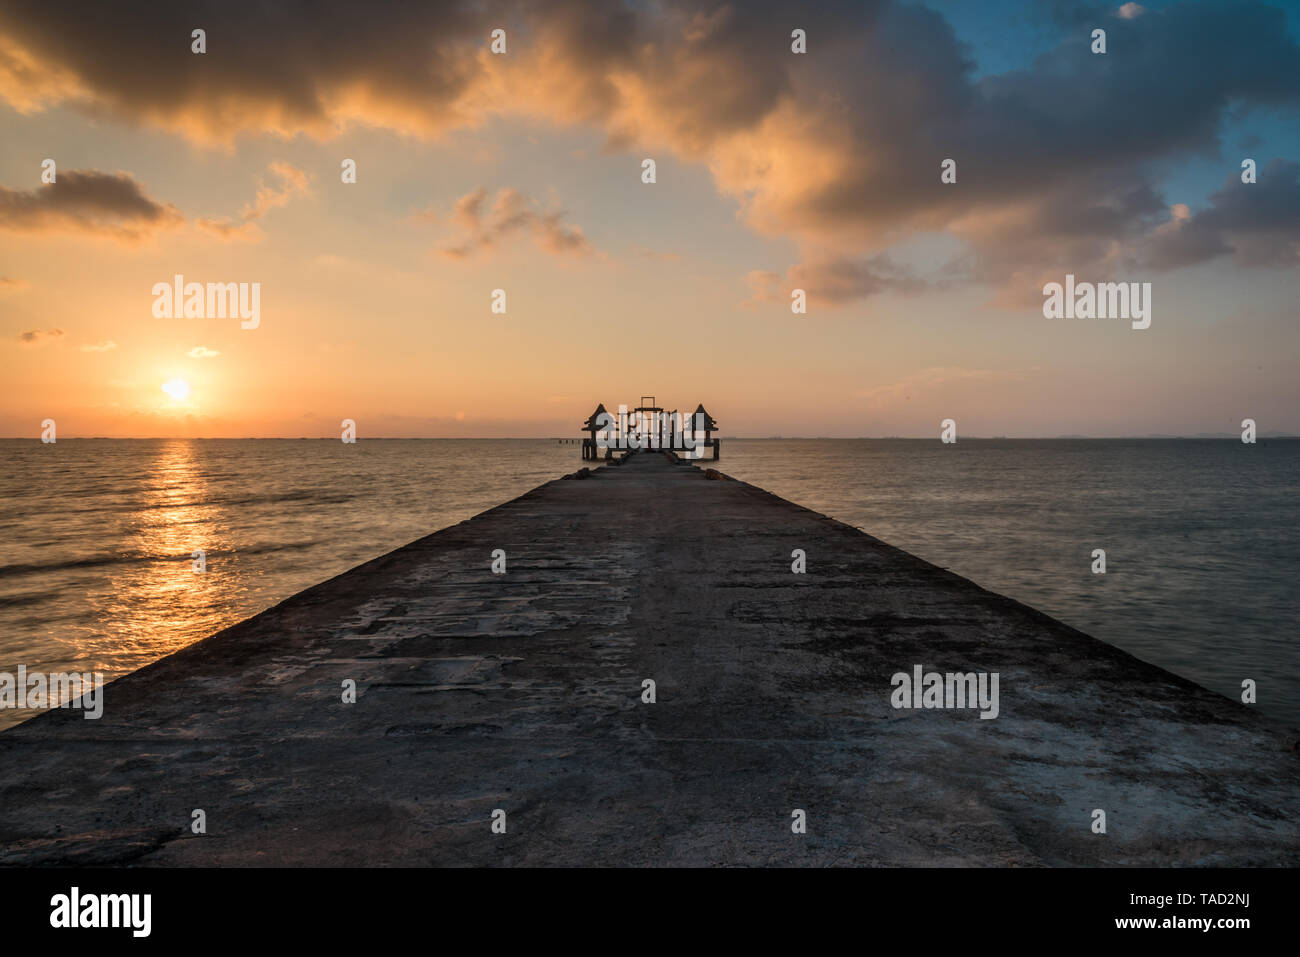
[{"x": 177, "y": 389}]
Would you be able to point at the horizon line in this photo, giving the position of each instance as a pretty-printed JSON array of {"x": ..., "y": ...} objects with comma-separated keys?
[{"x": 1200, "y": 436}]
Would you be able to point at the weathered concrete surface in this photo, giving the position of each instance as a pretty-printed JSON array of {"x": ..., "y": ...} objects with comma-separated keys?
[{"x": 523, "y": 692}]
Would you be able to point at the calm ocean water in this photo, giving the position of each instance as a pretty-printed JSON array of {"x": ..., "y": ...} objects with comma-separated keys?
[{"x": 1201, "y": 536}]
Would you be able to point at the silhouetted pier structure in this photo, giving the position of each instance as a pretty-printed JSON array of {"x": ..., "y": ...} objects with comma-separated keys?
[{"x": 649, "y": 426}]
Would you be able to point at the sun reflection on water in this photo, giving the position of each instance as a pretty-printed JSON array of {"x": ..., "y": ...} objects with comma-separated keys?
[{"x": 154, "y": 602}]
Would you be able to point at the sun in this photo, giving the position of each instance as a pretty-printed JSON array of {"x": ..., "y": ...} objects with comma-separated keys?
[{"x": 177, "y": 389}]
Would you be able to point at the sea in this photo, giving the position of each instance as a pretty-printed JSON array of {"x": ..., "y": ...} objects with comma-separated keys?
[{"x": 1201, "y": 536}]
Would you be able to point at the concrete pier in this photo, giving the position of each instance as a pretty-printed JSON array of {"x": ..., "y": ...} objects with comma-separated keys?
[{"x": 523, "y": 692}]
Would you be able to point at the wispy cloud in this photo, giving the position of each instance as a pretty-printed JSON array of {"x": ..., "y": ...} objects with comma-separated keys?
[
  {"x": 39, "y": 337},
  {"x": 833, "y": 282},
  {"x": 291, "y": 182},
  {"x": 511, "y": 213},
  {"x": 202, "y": 352},
  {"x": 104, "y": 346}
]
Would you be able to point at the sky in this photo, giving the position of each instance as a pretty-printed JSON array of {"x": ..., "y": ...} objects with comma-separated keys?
[{"x": 523, "y": 171}]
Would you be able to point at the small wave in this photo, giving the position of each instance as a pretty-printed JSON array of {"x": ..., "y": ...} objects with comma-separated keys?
[
  {"x": 93, "y": 561},
  {"x": 30, "y": 598},
  {"x": 99, "y": 561},
  {"x": 282, "y": 547}
]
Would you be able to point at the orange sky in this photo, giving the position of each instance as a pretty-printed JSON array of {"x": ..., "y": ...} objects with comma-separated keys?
[{"x": 523, "y": 172}]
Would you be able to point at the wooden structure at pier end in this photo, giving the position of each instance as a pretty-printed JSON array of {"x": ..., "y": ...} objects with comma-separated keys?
[{"x": 649, "y": 426}]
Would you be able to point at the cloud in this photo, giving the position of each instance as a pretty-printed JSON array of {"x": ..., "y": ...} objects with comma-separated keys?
[
  {"x": 1040, "y": 187},
  {"x": 466, "y": 210},
  {"x": 12, "y": 285},
  {"x": 834, "y": 282},
  {"x": 292, "y": 182},
  {"x": 511, "y": 213},
  {"x": 838, "y": 149},
  {"x": 1258, "y": 222},
  {"x": 202, "y": 352},
  {"x": 87, "y": 202},
  {"x": 230, "y": 230},
  {"x": 39, "y": 337},
  {"x": 286, "y": 68},
  {"x": 104, "y": 346}
]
